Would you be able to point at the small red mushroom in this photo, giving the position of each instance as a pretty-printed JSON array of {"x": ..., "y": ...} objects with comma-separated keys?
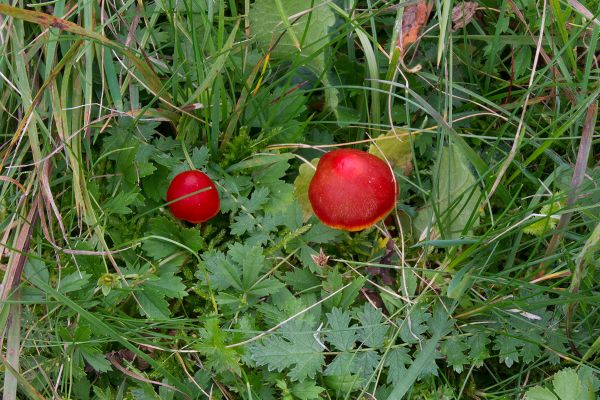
[
  {"x": 352, "y": 190},
  {"x": 194, "y": 208}
]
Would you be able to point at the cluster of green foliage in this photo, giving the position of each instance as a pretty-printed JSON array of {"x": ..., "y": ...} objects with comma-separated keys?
[{"x": 455, "y": 296}]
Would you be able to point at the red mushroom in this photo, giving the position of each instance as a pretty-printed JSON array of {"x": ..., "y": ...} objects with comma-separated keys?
[
  {"x": 352, "y": 190},
  {"x": 198, "y": 207}
]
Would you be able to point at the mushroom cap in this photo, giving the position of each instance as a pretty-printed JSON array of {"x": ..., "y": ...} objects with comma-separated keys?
[
  {"x": 352, "y": 190},
  {"x": 195, "y": 208}
]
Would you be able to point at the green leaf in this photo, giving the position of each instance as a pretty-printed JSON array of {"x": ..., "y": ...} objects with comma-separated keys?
[
  {"x": 200, "y": 156},
  {"x": 119, "y": 204},
  {"x": 223, "y": 273},
  {"x": 240, "y": 268},
  {"x": 301, "y": 279},
  {"x": 95, "y": 358},
  {"x": 396, "y": 361},
  {"x": 522, "y": 61},
  {"x": 302, "y": 32},
  {"x": 507, "y": 348},
  {"x": 543, "y": 225},
  {"x": 477, "y": 345},
  {"x": 306, "y": 390},
  {"x": 341, "y": 365},
  {"x": 567, "y": 385},
  {"x": 300, "y": 29},
  {"x": 373, "y": 330},
  {"x": 453, "y": 348},
  {"x": 530, "y": 351},
  {"x": 365, "y": 363},
  {"x": 295, "y": 349},
  {"x": 340, "y": 335},
  {"x": 176, "y": 234},
  {"x": 301, "y": 184},
  {"x": 456, "y": 197},
  {"x": 423, "y": 361},
  {"x": 539, "y": 393},
  {"x": 36, "y": 268},
  {"x": 256, "y": 201},
  {"x": 166, "y": 285},
  {"x": 394, "y": 147},
  {"x": 152, "y": 304},
  {"x": 413, "y": 326},
  {"x": 73, "y": 282},
  {"x": 219, "y": 358},
  {"x": 251, "y": 259}
]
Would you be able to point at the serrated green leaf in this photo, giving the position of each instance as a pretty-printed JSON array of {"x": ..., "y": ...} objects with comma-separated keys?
[
  {"x": 119, "y": 204},
  {"x": 306, "y": 390},
  {"x": 340, "y": 334},
  {"x": 424, "y": 360},
  {"x": 219, "y": 358},
  {"x": 530, "y": 351},
  {"x": 223, "y": 273},
  {"x": 341, "y": 365},
  {"x": 396, "y": 361},
  {"x": 453, "y": 348},
  {"x": 251, "y": 259},
  {"x": 365, "y": 363},
  {"x": 256, "y": 201},
  {"x": 265, "y": 287},
  {"x": 373, "y": 330},
  {"x": 397, "y": 151},
  {"x": 296, "y": 349},
  {"x": 413, "y": 326},
  {"x": 152, "y": 304},
  {"x": 507, "y": 349},
  {"x": 301, "y": 279},
  {"x": 567, "y": 384},
  {"x": 478, "y": 350},
  {"x": 244, "y": 223},
  {"x": 95, "y": 359},
  {"x": 166, "y": 285},
  {"x": 200, "y": 157}
]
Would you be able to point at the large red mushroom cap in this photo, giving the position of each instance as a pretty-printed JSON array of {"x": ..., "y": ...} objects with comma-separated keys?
[
  {"x": 198, "y": 207},
  {"x": 352, "y": 190}
]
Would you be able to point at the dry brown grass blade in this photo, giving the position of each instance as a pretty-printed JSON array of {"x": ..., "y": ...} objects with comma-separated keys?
[
  {"x": 28, "y": 388},
  {"x": 15, "y": 268},
  {"x": 150, "y": 79},
  {"x": 11, "y": 281}
]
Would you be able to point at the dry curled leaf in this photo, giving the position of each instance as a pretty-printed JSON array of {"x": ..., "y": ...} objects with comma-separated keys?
[
  {"x": 462, "y": 14},
  {"x": 413, "y": 19}
]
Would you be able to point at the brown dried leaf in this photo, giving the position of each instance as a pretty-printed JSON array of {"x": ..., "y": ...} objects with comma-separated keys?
[
  {"x": 462, "y": 14},
  {"x": 413, "y": 19}
]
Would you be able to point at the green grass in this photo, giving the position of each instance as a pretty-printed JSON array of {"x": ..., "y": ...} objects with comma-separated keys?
[{"x": 469, "y": 291}]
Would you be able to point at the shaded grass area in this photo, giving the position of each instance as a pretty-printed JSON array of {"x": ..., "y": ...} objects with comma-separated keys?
[{"x": 481, "y": 284}]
